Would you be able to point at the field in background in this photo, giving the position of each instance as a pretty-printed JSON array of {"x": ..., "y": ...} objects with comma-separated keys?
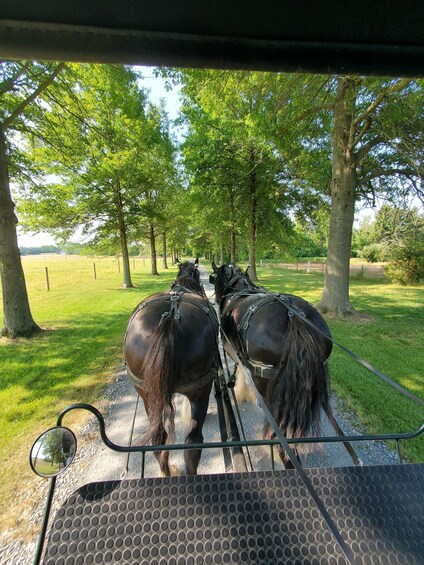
[
  {"x": 85, "y": 319},
  {"x": 358, "y": 267}
]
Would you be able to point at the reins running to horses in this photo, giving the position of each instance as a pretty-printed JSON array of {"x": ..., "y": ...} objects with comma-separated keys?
[{"x": 305, "y": 479}]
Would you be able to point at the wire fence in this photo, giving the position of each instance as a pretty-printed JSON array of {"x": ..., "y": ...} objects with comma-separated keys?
[
  {"x": 363, "y": 270},
  {"x": 51, "y": 271}
]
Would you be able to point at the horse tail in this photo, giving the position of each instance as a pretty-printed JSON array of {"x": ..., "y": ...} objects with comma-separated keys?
[
  {"x": 299, "y": 389},
  {"x": 161, "y": 370}
]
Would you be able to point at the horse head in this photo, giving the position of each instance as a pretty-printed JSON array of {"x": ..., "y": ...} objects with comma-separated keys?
[
  {"x": 188, "y": 277},
  {"x": 189, "y": 268},
  {"x": 224, "y": 278}
]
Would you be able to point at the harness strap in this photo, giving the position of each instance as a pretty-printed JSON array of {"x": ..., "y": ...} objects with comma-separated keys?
[
  {"x": 173, "y": 312},
  {"x": 174, "y": 297},
  {"x": 261, "y": 369}
]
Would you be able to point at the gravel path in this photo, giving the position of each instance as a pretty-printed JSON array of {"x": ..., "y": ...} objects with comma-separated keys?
[{"x": 118, "y": 403}]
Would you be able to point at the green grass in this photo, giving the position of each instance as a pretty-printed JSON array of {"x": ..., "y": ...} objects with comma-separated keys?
[
  {"x": 392, "y": 341},
  {"x": 70, "y": 361}
]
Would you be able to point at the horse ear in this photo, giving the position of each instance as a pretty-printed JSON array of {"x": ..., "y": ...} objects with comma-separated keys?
[
  {"x": 196, "y": 261},
  {"x": 247, "y": 269},
  {"x": 214, "y": 267}
]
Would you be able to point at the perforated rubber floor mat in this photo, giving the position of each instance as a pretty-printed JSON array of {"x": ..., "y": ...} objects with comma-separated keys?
[{"x": 258, "y": 518}]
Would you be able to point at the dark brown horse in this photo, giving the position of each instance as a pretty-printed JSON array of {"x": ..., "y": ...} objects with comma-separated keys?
[
  {"x": 171, "y": 345},
  {"x": 189, "y": 268},
  {"x": 286, "y": 357}
]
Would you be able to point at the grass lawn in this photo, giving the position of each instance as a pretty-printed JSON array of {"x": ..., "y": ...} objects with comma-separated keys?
[
  {"x": 85, "y": 321},
  {"x": 392, "y": 342}
]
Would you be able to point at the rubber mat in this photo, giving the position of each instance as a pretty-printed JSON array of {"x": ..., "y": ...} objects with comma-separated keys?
[{"x": 258, "y": 518}]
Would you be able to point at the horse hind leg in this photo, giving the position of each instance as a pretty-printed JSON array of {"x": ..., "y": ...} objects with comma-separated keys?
[
  {"x": 199, "y": 406},
  {"x": 242, "y": 390}
]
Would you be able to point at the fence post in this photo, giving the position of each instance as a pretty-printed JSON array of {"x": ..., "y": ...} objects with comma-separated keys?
[
  {"x": 308, "y": 270},
  {"x": 133, "y": 263},
  {"x": 119, "y": 266},
  {"x": 94, "y": 268},
  {"x": 47, "y": 278}
]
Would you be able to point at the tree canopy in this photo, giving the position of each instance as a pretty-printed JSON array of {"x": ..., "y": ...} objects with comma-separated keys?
[{"x": 271, "y": 164}]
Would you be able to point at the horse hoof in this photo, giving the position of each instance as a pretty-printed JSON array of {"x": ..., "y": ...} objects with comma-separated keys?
[{"x": 175, "y": 471}]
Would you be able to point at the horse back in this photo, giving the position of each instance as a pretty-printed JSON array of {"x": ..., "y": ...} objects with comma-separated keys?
[
  {"x": 258, "y": 324},
  {"x": 198, "y": 341}
]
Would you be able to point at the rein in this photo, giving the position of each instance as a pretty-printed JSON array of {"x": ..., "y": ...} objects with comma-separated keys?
[{"x": 305, "y": 479}]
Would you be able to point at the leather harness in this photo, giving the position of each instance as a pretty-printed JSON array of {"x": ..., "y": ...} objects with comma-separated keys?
[
  {"x": 174, "y": 297},
  {"x": 259, "y": 369}
]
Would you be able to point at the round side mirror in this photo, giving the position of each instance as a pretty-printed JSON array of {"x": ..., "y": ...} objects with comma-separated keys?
[{"x": 53, "y": 451}]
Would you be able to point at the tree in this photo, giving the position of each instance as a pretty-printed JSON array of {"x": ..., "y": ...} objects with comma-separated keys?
[
  {"x": 95, "y": 160},
  {"x": 401, "y": 232},
  {"x": 239, "y": 169},
  {"x": 377, "y": 126},
  {"x": 111, "y": 163},
  {"x": 22, "y": 86},
  {"x": 155, "y": 205},
  {"x": 362, "y": 236}
]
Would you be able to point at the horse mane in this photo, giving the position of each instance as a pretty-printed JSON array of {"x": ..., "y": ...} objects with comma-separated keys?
[{"x": 188, "y": 282}]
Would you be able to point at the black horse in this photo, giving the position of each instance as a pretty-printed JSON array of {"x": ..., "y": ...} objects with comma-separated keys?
[
  {"x": 286, "y": 357},
  {"x": 171, "y": 345},
  {"x": 189, "y": 268}
]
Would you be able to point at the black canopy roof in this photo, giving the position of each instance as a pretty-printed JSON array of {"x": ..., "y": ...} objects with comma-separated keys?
[{"x": 384, "y": 37}]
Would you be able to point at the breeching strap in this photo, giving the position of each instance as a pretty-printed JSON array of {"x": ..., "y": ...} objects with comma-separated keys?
[{"x": 305, "y": 479}]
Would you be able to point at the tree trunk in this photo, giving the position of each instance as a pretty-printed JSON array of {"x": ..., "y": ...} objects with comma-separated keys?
[
  {"x": 127, "y": 283},
  {"x": 165, "y": 264},
  {"x": 233, "y": 229},
  {"x": 222, "y": 255},
  {"x": 233, "y": 246},
  {"x": 252, "y": 217},
  {"x": 18, "y": 320},
  {"x": 153, "y": 250},
  {"x": 335, "y": 296}
]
